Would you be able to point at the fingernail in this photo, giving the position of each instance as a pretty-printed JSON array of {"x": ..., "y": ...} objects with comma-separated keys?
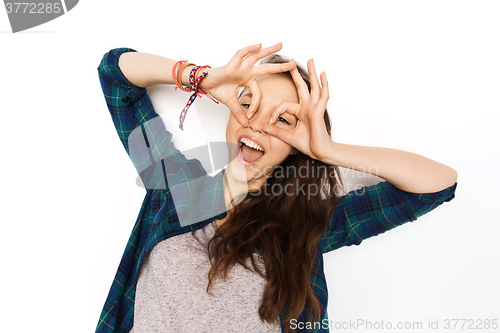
[
  {"x": 249, "y": 115},
  {"x": 271, "y": 120}
]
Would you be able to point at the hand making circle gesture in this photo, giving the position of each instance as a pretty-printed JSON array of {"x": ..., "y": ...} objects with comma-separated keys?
[
  {"x": 310, "y": 135},
  {"x": 224, "y": 82}
]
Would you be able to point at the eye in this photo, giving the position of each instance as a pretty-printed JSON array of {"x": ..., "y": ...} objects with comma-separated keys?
[
  {"x": 246, "y": 106},
  {"x": 283, "y": 120}
]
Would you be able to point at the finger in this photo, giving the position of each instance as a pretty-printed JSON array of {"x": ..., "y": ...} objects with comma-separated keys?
[
  {"x": 325, "y": 93},
  {"x": 234, "y": 105},
  {"x": 241, "y": 53},
  {"x": 315, "y": 88},
  {"x": 265, "y": 69},
  {"x": 280, "y": 133},
  {"x": 254, "y": 57},
  {"x": 300, "y": 84},
  {"x": 282, "y": 108},
  {"x": 255, "y": 100}
]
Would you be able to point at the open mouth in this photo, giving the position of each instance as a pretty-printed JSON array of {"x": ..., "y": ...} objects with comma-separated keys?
[{"x": 250, "y": 152}]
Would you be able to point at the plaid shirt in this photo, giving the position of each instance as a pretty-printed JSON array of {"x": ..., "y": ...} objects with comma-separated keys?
[{"x": 360, "y": 214}]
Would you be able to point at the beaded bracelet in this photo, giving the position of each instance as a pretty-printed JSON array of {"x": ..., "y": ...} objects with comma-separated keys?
[{"x": 194, "y": 81}]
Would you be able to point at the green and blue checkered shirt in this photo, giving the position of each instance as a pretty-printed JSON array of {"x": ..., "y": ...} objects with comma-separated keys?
[{"x": 169, "y": 177}]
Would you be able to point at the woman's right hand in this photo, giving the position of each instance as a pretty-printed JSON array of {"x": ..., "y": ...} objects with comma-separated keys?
[{"x": 224, "y": 83}]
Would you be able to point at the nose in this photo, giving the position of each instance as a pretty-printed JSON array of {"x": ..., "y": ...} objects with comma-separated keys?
[
  {"x": 259, "y": 118},
  {"x": 256, "y": 127}
]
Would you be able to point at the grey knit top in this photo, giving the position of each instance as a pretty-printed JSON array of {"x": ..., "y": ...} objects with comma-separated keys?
[{"x": 171, "y": 291}]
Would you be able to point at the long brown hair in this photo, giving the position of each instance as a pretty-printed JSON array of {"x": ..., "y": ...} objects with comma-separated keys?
[{"x": 283, "y": 228}]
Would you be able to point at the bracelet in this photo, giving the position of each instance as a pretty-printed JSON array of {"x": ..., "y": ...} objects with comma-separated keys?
[
  {"x": 175, "y": 76},
  {"x": 181, "y": 69},
  {"x": 194, "y": 74},
  {"x": 197, "y": 92},
  {"x": 193, "y": 77},
  {"x": 194, "y": 81}
]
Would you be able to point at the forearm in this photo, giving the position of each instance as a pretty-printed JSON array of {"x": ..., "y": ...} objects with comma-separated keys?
[
  {"x": 406, "y": 170},
  {"x": 145, "y": 69}
]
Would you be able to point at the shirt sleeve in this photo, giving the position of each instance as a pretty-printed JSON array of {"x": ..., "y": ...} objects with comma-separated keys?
[
  {"x": 373, "y": 210},
  {"x": 140, "y": 129},
  {"x": 128, "y": 104}
]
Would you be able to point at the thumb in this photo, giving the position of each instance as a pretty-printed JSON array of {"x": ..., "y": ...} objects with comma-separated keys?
[{"x": 281, "y": 134}]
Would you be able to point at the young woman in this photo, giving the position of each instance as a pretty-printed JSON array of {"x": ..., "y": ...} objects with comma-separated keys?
[{"x": 243, "y": 250}]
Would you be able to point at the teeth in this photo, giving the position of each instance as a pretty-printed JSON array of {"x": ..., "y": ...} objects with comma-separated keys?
[{"x": 251, "y": 144}]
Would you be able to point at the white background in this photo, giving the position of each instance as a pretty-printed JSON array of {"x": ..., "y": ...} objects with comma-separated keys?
[{"x": 421, "y": 76}]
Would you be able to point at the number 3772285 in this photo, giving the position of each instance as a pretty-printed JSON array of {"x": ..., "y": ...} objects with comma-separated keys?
[{"x": 33, "y": 8}]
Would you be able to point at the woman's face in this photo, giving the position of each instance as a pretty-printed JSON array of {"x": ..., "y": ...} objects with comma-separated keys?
[{"x": 257, "y": 165}]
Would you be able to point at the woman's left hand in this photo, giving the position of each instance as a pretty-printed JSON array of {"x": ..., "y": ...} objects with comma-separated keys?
[{"x": 310, "y": 135}]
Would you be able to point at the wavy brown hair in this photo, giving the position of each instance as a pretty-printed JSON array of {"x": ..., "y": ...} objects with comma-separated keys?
[{"x": 283, "y": 228}]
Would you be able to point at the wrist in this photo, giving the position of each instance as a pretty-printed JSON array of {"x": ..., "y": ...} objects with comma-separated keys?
[
  {"x": 332, "y": 154},
  {"x": 207, "y": 79}
]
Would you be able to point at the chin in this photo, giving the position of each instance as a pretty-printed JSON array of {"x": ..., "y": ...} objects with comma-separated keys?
[{"x": 239, "y": 172}]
